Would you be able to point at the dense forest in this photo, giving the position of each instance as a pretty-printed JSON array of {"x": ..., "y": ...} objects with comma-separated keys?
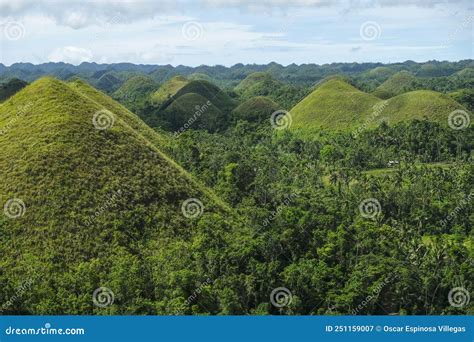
[{"x": 256, "y": 189}]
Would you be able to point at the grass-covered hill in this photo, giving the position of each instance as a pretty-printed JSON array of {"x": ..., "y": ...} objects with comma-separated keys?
[
  {"x": 397, "y": 84},
  {"x": 256, "y": 109},
  {"x": 168, "y": 89},
  {"x": 180, "y": 103},
  {"x": 11, "y": 87},
  {"x": 338, "y": 105},
  {"x": 252, "y": 80},
  {"x": 192, "y": 110},
  {"x": 135, "y": 91},
  {"x": 380, "y": 73},
  {"x": 103, "y": 208},
  {"x": 333, "y": 104},
  {"x": 264, "y": 84},
  {"x": 213, "y": 93},
  {"x": 199, "y": 76},
  {"x": 420, "y": 104}
]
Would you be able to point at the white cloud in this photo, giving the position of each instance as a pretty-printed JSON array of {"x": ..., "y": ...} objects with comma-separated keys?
[
  {"x": 71, "y": 54},
  {"x": 79, "y": 14}
]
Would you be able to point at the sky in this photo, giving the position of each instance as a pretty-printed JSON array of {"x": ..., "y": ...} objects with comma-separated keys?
[{"x": 219, "y": 32}]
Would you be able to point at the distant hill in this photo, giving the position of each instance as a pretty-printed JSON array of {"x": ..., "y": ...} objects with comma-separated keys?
[
  {"x": 256, "y": 109},
  {"x": 180, "y": 102},
  {"x": 10, "y": 88},
  {"x": 259, "y": 84},
  {"x": 93, "y": 202},
  {"x": 108, "y": 83},
  {"x": 380, "y": 73},
  {"x": 209, "y": 91},
  {"x": 168, "y": 89},
  {"x": 338, "y": 105},
  {"x": 264, "y": 84},
  {"x": 135, "y": 91},
  {"x": 420, "y": 104},
  {"x": 252, "y": 80},
  {"x": 464, "y": 97},
  {"x": 192, "y": 110},
  {"x": 199, "y": 76},
  {"x": 399, "y": 83},
  {"x": 333, "y": 104}
]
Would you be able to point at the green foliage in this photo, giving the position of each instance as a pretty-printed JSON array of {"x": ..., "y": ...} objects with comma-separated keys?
[
  {"x": 10, "y": 88},
  {"x": 134, "y": 92},
  {"x": 310, "y": 234},
  {"x": 104, "y": 207},
  {"x": 464, "y": 97},
  {"x": 66, "y": 171}
]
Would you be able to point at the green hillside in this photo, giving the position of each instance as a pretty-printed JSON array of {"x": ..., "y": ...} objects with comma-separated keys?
[
  {"x": 10, "y": 88},
  {"x": 108, "y": 82},
  {"x": 420, "y": 104},
  {"x": 199, "y": 76},
  {"x": 129, "y": 118},
  {"x": 193, "y": 110},
  {"x": 102, "y": 207},
  {"x": 334, "y": 104},
  {"x": 263, "y": 84},
  {"x": 209, "y": 91},
  {"x": 338, "y": 105},
  {"x": 466, "y": 72},
  {"x": 168, "y": 89},
  {"x": 380, "y": 73},
  {"x": 464, "y": 97},
  {"x": 180, "y": 103},
  {"x": 397, "y": 84},
  {"x": 253, "y": 79},
  {"x": 135, "y": 91},
  {"x": 256, "y": 109},
  {"x": 259, "y": 84}
]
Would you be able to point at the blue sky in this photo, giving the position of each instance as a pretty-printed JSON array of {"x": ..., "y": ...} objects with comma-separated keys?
[{"x": 235, "y": 31}]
